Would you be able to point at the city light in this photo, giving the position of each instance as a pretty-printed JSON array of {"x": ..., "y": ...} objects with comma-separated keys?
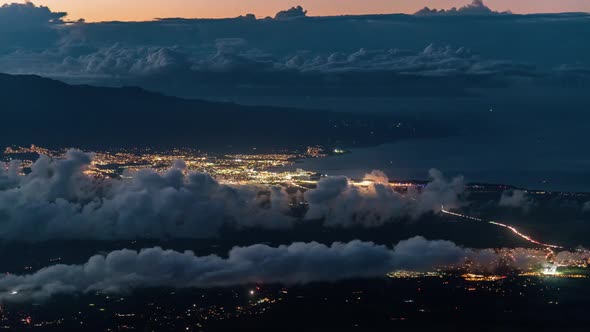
[
  {"x": 550, "y": 270},
  {"x": 511, "y": 228}
]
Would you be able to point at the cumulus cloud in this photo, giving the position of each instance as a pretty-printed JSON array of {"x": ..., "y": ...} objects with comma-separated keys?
[
  {"x": 296, "y": 54},
  {"x": 26, "y": 26},
  {"x": 231, "y": 66},
  {"x": 297, "y": 263},
  {"x": 194, "y": 59},
  {"x": 340, "y": 202},
  {"x": 246, "y": 57},
  {"x": 27, "y": 14},
  {"x": 516, "y": 199},
  {"x": 431, "y": 61},
  {"x": 477, "y": 7},
  {"x": 229, "y": 56},
  {"x": 57, "y": 200},
  {"x": 291, "y": 13},
  {"x": 439, "y": 191},
  {"x": 123, "y": 61}
]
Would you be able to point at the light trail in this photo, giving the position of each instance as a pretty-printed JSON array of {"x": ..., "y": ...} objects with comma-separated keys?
[
  {"x": 298, "y": 186},
  {"x": 511, "y": 228},
  {"x": 524, "y": 236},
  {"x": 458, "y": 214}
]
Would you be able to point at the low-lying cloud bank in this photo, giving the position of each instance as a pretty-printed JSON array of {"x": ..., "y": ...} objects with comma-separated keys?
[
  {"x": 340, "y": 203},
  {"x": 295, "y": 55},
  {"x": 56, "y": 200},
  {"x": 298, "y": 263},
  {"x": 234, "y": 66}
]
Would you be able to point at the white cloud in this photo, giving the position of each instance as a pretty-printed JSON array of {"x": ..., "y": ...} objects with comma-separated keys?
[
  {"x": 516, "y": 199},
  {"x": 341, "y": 203},
  {"x": 297, "y": 263},
  {"x": 58, "y": 201}
]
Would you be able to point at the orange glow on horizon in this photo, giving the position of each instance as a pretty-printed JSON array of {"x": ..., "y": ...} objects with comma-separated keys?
[{"x": 140, "y": 10}]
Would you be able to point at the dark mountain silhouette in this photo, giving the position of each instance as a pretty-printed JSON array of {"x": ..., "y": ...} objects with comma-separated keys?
[{"x": 44, "y": 111}]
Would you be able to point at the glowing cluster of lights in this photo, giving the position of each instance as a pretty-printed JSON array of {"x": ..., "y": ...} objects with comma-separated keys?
[{"x": 481, "y": 277}]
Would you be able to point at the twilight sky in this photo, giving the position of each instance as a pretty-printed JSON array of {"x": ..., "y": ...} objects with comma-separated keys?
[{"x": 129, "y": 10}]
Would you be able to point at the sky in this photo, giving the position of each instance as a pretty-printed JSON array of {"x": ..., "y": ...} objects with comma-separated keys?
[{"x": 134, "y": 10}]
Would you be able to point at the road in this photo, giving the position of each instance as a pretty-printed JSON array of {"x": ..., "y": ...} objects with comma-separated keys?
[{"x": 511, "y": 228}]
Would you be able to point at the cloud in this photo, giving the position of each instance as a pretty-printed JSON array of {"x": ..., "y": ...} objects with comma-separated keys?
[
  {"x": 298, "y": 263},
  {"x": 27, "y": 14},
  {"x": 120, "y": 61},
  {"x": 293, "y": 12},
  {"x": 339, "y": 202},
  {"x": 516, "y": 199},
  {"x": 232, "y": 67},
  {"x": 432, "y": 71},
  {"x": 439, "y": 191},
  {"x": 9, "y": 174},
  {"x": 57, "y": 200},
  {"x": 433, "y": 60},
  {"x": 24, "y": 25},
  {"x": 477, "y": 7},
  {"x": 234, "y": 55},
  {"x": 381, "y": 56}
]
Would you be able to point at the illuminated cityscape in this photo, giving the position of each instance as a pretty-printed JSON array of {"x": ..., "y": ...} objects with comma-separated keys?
[
  {"x": 310, "y": 166},
  {"x": 533, "y": 268},
  {"x": 256, "y": 169},
  {"x": 230, "y": 169}
]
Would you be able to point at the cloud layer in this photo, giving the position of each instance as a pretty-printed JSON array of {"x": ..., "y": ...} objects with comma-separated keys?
[
  {"x": 56, "y": 200},
  {"x": 516, "y": 199},
  {"x": 477, "y": 7},
  {"x": 386, "y": 55},
  {"x": 341, "y": 203},
  {"x": 297, "y": 263}
]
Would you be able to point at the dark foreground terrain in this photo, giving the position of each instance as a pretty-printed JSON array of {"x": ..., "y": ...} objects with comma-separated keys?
[{"x": 446, "y": 303}]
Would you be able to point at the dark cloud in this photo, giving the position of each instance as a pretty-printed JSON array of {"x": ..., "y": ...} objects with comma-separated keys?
[
  {"x": 291, "y": 13},
  {"x": 234, "y": 54},
  {"x": 24, "y": 25},
  {"x": 477, "y": 7},
  {"x": 57, "y": 200},
  {"x": 118, "y": 61},
  {"x": 341, "y": 203},
  {"x": 27, "y": 14},
  {"x": 297, "y": 263},
  {"x": 233, "y": 67},
  {"x": 381, "y": 56}
]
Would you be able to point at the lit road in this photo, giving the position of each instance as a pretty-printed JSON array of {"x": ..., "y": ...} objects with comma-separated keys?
[{"x": 511, "y": 228}]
